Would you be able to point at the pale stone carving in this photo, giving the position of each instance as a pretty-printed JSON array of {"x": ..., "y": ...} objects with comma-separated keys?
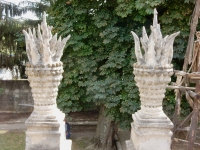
[
  {"x": 151, "y": 127},
  {"x": 158, "y": 50},
  {"x": 45, "y": 126},
  {"x": 45, "y": 49}
]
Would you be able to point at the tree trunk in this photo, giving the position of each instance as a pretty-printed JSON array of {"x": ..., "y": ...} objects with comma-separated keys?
[{"x": 105, "y": 132}]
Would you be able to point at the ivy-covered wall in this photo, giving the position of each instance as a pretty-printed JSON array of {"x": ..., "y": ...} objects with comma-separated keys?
[{"x": 14, "y": 92}]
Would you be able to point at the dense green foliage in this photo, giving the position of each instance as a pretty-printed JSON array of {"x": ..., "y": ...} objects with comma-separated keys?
[{"x": 99, "y": 56}]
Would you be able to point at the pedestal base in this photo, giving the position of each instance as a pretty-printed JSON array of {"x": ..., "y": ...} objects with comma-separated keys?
[
  {"x": 150, "y": 132},
  {"x": 129, "y": 145},
  {"x": 46, "y": 132},
  {"x": 67, "y": 145}
]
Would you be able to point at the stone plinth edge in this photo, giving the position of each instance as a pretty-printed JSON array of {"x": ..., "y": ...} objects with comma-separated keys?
[{"x": 129, "y": 145}]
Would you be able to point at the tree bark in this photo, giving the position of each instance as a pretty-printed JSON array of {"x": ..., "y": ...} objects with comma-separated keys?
[
  {"x": 105, "y": 132},
  {"x": 193, "y": 27}
]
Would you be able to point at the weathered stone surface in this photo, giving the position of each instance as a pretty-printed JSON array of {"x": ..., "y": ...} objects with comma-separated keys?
[
  {"x": 15, "y": 92},
  {"x": 158, "y": 50},
  {"x": 45, "y": 126},
  {"x": 151, "y": 128},
  {"x": 42, "y": 47},
  {"x": 129, "y": 145}
]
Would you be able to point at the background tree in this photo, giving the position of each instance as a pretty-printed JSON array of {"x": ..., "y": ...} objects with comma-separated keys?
[
  {"x": 12, "y": 42},
  {"x": 100, "y": 53}
]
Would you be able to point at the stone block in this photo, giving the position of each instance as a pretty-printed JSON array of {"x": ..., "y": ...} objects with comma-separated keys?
[{"x": 17, "y": 91}]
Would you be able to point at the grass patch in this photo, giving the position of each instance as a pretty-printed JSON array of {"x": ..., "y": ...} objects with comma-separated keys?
[
  {"x": 80, "y": 144},
  {"x": 14, "y": 140}
]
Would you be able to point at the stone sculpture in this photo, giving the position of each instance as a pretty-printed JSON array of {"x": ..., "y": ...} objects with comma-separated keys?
[
  {"x": 45, "y": 126},
  {"x": 153, "y": 69},
  {"x": 45, "y": 49}
]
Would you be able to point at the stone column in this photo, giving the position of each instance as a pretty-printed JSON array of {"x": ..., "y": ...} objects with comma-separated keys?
[
  {"x": 151, "y": 128},
  {"x": 45, "y": 126}
]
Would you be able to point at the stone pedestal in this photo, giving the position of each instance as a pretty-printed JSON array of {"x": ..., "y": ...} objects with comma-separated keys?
[
  {"x": 151, "y": 129},
  {"x": 45, "y": 126}
]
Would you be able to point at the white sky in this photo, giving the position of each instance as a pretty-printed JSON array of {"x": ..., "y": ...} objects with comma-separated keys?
[
  {"x": 28, "y": 14},
  {"x": 17, "y": 1}
]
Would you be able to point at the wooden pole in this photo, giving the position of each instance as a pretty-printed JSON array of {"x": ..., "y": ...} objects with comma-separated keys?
[
  {"x": 195, "y": 113},
  {"x": 180, "y": 87},
  {"x": 184, "y": 141},
  {"x": 193, "y": 26},
  {"x": 194, "y": 125},
  {"x": 186, "y": 120},
  {"x": 175, "y": 116}
]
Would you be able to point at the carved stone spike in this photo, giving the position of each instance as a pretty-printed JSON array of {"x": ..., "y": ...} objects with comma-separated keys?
[
  {"x": 59, "y": 48},
  {"x": 144, "y": 40},
  {"x": 53, "y": 42},
  {"x": 42, "y": 49},
  {"x": 150, "y": 55},
  {"x": 137, "y": 48},
  {"x": 155, "y": 47}
]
